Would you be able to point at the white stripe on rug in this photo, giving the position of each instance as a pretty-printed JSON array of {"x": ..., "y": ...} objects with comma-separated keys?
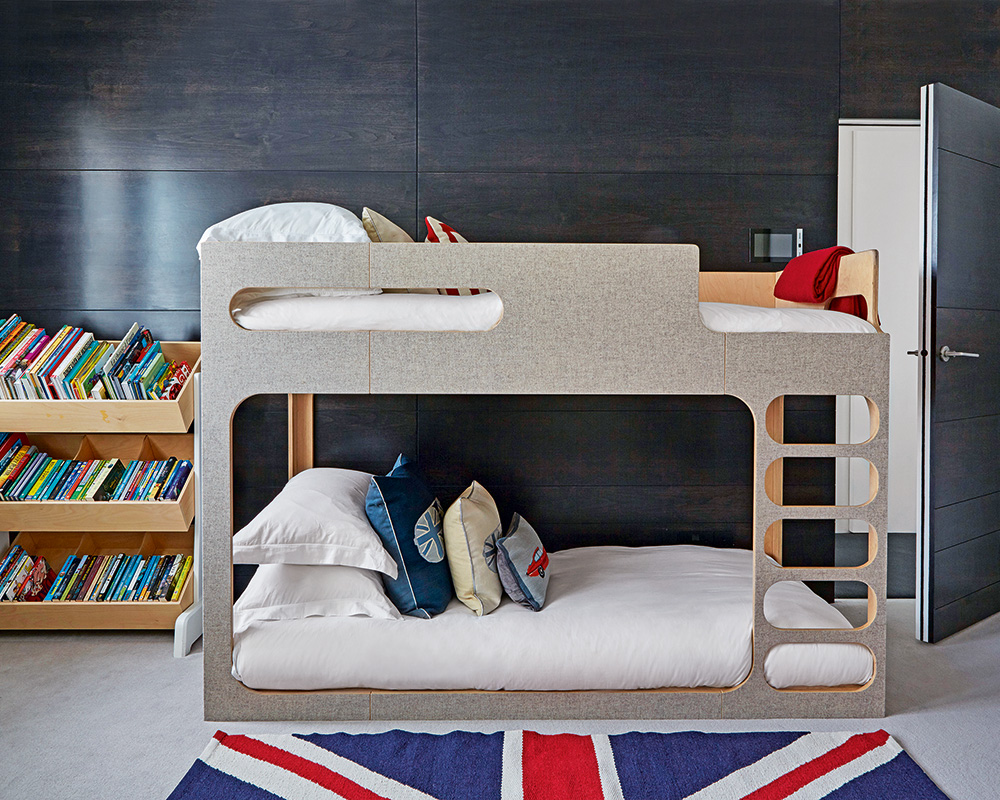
[
  {"x": 511, "y": 775},
  {"x": 364, "y": 777},
  {"x": 826, "y": 784},
  {"x": 610, "y": 785},
  {"x": 740, "y": 783}
]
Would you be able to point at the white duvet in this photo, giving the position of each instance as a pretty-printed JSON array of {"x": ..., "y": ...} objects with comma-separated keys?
[{"x": 614, "y": 618}]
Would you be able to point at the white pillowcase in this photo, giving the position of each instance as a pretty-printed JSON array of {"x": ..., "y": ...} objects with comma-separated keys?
[
  {"x": 318, "y": 518},
  {"x": 289, "y": 222},
  {"x": 297, "y": 591}
]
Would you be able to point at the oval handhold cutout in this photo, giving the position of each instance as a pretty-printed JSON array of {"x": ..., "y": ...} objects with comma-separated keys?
[
  {"x": 856, "y": 541},
  {"x": 812, "y": 481},
  {"x": 812, "y": 665},
  {"x": 791, "y": 605},
  {"x": 822, "y": 419},
  {"x": 364, "y": 309}
]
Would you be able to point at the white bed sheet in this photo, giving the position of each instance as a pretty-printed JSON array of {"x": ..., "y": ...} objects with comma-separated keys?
[
  {"x": 734, "y": 318},
  {"x": 389, "y": 311},
  {"x": 614, "y": 618}
]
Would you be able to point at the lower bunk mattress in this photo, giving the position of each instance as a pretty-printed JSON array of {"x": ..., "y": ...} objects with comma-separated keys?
[{"x": 614, "y": 618}]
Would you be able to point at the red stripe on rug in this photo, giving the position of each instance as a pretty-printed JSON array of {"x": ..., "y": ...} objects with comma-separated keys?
[
  {"x": 559, "y": 767},
  {"x": 791, "y": 782},
  {"x": 302, "y": 767}
]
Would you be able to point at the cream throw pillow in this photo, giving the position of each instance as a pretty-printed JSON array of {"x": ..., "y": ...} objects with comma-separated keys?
[
  {"x": 380, "y": 229},
  {"x": 471, "y": 528}
]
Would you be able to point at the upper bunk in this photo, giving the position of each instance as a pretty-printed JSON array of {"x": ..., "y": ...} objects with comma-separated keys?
[{"x": 577, "y": 318}]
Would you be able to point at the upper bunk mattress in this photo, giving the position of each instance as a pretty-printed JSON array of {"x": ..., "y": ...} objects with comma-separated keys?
[
  {"x": 400, "y": 311},
  {"x": 734, "y": 318},
  {"x": 614, "y": 618}
]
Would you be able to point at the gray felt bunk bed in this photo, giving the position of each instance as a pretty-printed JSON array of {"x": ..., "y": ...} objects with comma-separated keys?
[{"x": 576, "y": 319}]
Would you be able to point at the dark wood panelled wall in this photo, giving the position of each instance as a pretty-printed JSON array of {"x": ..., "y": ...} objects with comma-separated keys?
[{"x": 129, "y": 127}]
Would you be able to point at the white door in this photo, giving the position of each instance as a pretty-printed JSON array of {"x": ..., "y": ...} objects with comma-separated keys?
[{"x": 878, "y": 207}]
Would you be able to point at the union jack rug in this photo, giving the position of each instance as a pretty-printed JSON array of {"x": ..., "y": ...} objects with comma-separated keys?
[{"x": 521, "y": 765}]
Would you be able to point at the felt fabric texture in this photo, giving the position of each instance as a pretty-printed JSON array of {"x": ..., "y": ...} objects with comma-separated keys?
[
  {"x": 408, "y": 519},
  {"x": 811, "y": 277}
]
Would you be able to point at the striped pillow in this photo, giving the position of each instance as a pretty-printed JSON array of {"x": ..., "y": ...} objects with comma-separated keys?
[{"x": 441, "y": 233}]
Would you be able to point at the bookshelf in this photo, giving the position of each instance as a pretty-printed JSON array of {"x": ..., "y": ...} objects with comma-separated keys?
[{"x": 125, "y": 429}]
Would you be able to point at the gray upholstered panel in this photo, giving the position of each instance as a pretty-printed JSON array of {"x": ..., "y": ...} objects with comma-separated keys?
[{"x": 578, "y": 318}]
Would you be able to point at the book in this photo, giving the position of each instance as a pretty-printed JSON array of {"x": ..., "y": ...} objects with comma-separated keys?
[
  {"x": 134, "y": 576},
  {"x": 61, "y": 578},
  {"x": 119, "y": 492},
  {"x": 109, "y": 480},
  {"x": 157, "y": 486},
  {"x": 182, "y": 574},
  {"x": 61, "y": 466},
  {"x": 150, "y": 578},
  {"x": 169, "y": 574},
  {"x": 88, "y": 479},
  {"x": 84, "y": 573},
  {"x": 68, "y": 360},
  {"x": 28, "y": 476},
  {"x": 114, "y": 564},
  {"x": 39, "y": 581},
  {"x": 74, "y": 577},
  {"x": 70, "y": 480},
  {"x": 9, "y": 560},
  {"x": 14, "y": 467},
  {"x": 16, "y": 577},
  {"x": 136, "y": 579},
  {"x": 176, "y": 485},
  {"x": 121, "y": 579},
  {"x": 115, "y": 359},
  {"x": 97, "y": 567},
  {"x": 99, "y": 477}
]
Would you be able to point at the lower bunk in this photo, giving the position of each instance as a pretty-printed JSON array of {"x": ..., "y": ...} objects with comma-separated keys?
[{"x": 615, "y": 618}]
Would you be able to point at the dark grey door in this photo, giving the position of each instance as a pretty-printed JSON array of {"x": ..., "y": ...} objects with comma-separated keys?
[{"x": 959, "y": 547}]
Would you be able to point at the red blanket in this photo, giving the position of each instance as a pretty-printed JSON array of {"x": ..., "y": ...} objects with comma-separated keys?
[{"x": 810, "y": 277}]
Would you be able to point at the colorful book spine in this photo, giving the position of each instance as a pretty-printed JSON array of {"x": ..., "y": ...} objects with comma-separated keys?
[
  {"x": 9, "y": 560},
  {"x": 61, "y": 579},
  {"x": 182, "y": 574}
]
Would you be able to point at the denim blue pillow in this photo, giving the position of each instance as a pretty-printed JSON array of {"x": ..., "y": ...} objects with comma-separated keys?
[
  {"x": 523, "y": 564},
  {"x": 408, "y": 519}
]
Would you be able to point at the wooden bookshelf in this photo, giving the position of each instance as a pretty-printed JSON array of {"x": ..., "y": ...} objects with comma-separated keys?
[
  {"x": 91, "y": 429},
  {"x": 109, "y": 416},
  {"x": 57, "y": 546},
  {"x": 108, "y": 515}
]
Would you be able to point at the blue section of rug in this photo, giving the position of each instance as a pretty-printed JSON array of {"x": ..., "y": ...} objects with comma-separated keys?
[
  {"x": 443, "y": 766},
  {"x": 688, "y": 761}
]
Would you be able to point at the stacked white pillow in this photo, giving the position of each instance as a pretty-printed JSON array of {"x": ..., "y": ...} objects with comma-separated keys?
[{"x": 318, "y": 553}]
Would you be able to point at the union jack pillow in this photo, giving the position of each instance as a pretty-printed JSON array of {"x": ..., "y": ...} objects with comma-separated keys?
[{"x": 441, "y": 233}]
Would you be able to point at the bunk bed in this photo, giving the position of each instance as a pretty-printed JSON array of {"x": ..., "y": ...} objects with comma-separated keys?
[{"x": 576, "y": 319}]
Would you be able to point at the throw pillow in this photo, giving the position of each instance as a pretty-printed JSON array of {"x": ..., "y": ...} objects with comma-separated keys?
[
  {"x": 441, "y": 233},
  {"x": 471, "y": 528},
  {"x": 523, "y": 564},
  {"x": 318, "y": 518},
  {"x": 380, "y": 229},
  {"x": 408, "y": 519}
]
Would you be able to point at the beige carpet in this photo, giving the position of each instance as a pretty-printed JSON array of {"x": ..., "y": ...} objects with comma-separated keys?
[{"x": 114, "y": 715}]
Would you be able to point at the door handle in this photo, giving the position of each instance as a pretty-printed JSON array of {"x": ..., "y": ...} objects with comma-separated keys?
[
  {"x": 916, "y": 353},
  {"x": 947, "y": 354}
]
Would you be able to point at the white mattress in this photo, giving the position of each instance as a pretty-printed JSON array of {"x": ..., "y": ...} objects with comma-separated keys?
[
  {"x": 614, "y": 618},
  {"x": 733, "y": 318},
  {"x": 388, "y": 311}
]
